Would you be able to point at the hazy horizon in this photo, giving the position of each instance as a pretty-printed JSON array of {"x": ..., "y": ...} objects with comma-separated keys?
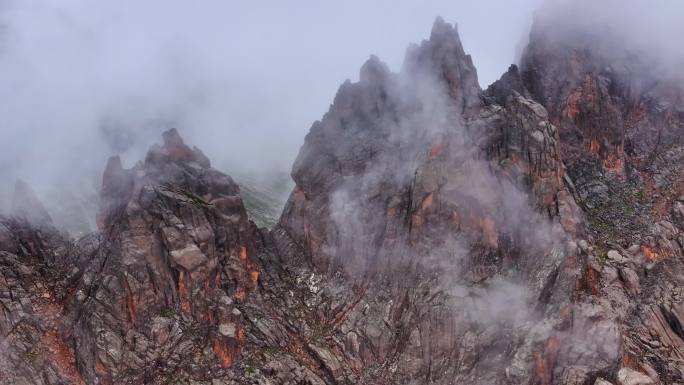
[{"x": 244, "y": 82}]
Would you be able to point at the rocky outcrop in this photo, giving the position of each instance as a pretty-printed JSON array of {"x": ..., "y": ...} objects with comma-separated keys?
[
  {"x": 178, "y": 252},
  {"x": 620, "y": 130},
  {"x": 398, "y": 141},
  {"x": 417, "y": 182},
  {"x": 610, "y": 100}
]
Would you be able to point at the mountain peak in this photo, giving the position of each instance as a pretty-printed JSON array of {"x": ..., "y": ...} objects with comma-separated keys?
[
  {"x": 373, "y": 70},
  {"x": 117, "y": 186},
  {"x": 175, "y": 150},
  {"x": 442, "y": 57},
  {"x": 172, "y": 138},
  {"x": 445, "y": 33}
]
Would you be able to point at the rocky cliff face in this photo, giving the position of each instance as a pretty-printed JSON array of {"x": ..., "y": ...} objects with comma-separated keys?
[
  {"x": 620, "y": 121},
  {"x": 437, "y": 233}
]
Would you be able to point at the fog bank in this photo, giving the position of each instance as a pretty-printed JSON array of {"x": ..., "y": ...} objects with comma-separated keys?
[{"x": 84, "y": 80}]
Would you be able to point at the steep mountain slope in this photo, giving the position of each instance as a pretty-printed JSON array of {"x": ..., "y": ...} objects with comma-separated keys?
[
  {"x": 429, "y": 189},
  {"x": 436, "y": 234},
  {"x": 621, "y": 118}
]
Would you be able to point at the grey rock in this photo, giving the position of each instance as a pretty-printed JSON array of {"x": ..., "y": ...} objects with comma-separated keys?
[
  {"x": 615, "y": 256},
  {"x": 627, "y": 376}
]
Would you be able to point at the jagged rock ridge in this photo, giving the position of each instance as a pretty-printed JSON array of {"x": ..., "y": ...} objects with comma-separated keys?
[{"x": 437, "y": 233}]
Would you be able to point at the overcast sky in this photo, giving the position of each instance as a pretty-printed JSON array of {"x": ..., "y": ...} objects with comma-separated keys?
[{"x": 243, "y": 80}]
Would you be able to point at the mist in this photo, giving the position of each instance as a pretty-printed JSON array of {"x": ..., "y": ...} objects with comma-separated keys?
[
  {"x": 244, "y": 82},
  {"x": 85, "y": 80},
  {"x": 648, "y": 30}
]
